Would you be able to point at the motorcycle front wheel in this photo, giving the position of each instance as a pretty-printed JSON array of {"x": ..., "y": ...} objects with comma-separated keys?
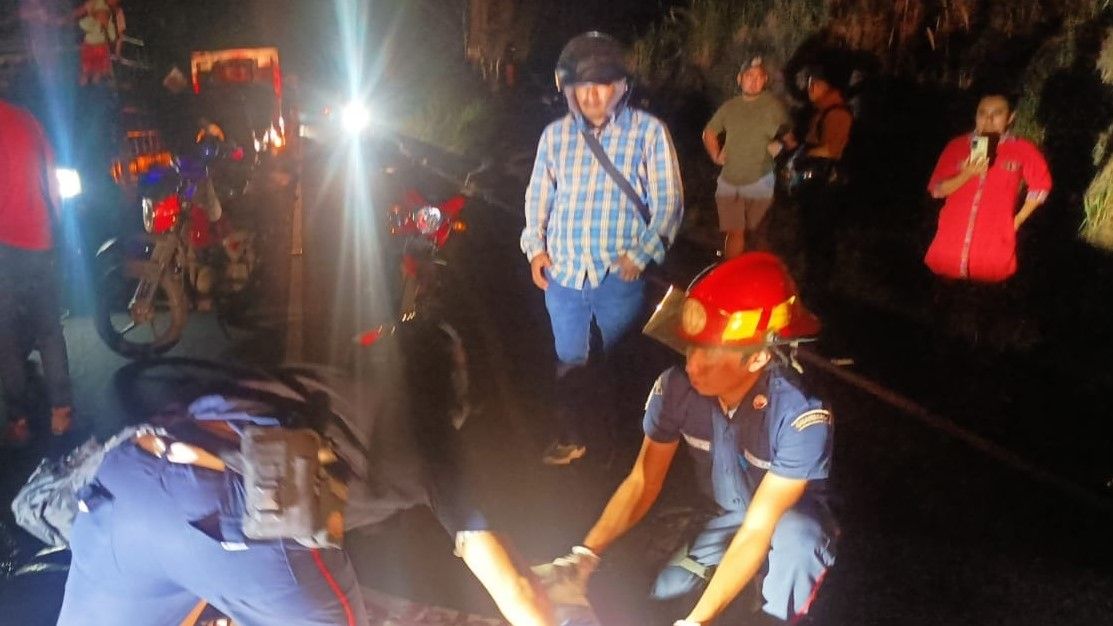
[{"x": 127, "y": 332}]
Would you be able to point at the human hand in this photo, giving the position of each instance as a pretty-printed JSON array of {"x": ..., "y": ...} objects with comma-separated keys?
[
  {"x": 789, "y": 141},
  {"x": 627, "y": 269},
  {"x": 565, "y": 579},
  {"x": 537, "y": 266},
  {"x": 975, "y": 167}
]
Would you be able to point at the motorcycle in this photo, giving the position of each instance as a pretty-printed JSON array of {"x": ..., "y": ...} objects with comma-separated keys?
[
  {"x": 149, "y": 283},
  {"x": 423, "y": 229}
]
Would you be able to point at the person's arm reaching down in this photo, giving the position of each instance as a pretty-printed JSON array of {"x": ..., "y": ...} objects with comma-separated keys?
[
  {"x": 749, "y": 549},
  {"x": 540, "y": 195},
  {"x": 517, "y": 594},
  {"x": 714, "y": 147},
  {"x": 633, "y": 498}
]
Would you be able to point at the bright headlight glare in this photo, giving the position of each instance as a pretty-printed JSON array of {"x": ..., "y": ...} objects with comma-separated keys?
[
  {"x": 355, "y": 117},
  {"x": 69, "y": 182},
  {"x": 428, "y": 219},
  {"x": 148, "y": 214}
]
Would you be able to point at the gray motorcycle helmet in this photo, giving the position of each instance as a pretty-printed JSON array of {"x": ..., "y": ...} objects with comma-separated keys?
[{"x": 592, "y": 57}]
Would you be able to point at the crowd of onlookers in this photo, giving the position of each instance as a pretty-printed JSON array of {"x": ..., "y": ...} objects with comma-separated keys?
[{"x": 605, "y": 201}]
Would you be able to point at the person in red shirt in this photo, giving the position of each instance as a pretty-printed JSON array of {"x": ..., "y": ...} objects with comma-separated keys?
[
  {"x": 29, "y": 293},
  {"x": 976, "y": 236}
]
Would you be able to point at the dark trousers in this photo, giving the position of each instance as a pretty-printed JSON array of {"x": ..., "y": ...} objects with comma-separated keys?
[
  {"x": 821, "y": 210},
  {"x": 29, "y": 320}
]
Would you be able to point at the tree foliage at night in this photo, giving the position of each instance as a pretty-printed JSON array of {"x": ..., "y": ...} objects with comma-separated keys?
[
  {"x": 1098, "y": 227},
  {"x": 1046, "y": 51}
]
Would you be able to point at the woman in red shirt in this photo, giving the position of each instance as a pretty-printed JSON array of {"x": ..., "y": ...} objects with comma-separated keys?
[{"x": 976, "y": 236}]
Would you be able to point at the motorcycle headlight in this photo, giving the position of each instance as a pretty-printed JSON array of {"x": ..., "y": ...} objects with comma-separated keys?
[
  {"x": 69, "y": 182},
  {"x": 428, "y": 219},
  {"x": 148, "y": 214},
  {"x": 355, "y": 117}
]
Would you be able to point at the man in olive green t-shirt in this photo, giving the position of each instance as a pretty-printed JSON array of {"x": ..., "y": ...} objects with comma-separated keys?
[{"x": 752, "y": 123}]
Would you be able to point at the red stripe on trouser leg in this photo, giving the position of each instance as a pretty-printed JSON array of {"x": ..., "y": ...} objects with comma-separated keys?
[
  {"x": 811, "y": 598},
  {"x": 336, "y": 590}
]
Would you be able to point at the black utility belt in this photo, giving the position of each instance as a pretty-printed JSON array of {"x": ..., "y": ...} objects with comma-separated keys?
[{"x": 287, "y": 492}]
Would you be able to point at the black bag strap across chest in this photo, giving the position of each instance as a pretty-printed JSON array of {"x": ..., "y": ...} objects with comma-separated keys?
[{"x": 612, "y": 171}]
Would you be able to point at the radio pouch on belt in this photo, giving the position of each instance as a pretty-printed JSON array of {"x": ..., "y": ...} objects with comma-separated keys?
[{"x": 287, "y": 492}]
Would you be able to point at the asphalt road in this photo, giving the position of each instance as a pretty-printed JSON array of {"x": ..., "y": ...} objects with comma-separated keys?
[{"x": 934, "y": 531}]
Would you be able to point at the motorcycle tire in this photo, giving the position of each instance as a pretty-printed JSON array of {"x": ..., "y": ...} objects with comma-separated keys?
[
  {"x": 116, "y": 286},
  {"x": 411, "y": 290}
]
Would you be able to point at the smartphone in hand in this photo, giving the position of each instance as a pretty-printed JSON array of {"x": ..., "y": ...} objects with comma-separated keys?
[
  {"x": 985, "y": 147},
  {"x": 979, "y": 148}
]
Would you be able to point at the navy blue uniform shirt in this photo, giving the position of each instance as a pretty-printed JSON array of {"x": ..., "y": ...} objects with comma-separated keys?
[{"x": 778, "y": 427}]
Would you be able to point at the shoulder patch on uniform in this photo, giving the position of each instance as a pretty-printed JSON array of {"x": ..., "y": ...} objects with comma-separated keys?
[
  {"x": 658, "y": 389},
  {"x": 811, "y": 418}
]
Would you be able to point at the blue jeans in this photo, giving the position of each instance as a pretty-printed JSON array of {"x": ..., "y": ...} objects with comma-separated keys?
[{"x": 614, "y": 306}]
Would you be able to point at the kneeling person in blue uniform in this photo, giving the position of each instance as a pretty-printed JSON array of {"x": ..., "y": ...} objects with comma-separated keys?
[
  {"x": 162, "y": 529},
  {"x": 760, "y": 443},
  {"x": 173, "y": 517}
]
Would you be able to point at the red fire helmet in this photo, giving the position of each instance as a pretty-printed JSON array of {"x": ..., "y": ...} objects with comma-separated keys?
[{"x": 748, "y": 301}]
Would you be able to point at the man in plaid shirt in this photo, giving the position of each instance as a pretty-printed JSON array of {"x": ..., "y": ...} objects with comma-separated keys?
[{"x": 587, "y": 240}]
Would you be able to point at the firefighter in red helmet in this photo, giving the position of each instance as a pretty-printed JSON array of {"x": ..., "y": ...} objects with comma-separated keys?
[{"x": 761, "y": 445}]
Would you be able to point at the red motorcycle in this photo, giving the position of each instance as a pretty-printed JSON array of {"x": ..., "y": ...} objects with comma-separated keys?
[
  {"x": 424, "y": 228},
  {"x": 149, "y": 283}
]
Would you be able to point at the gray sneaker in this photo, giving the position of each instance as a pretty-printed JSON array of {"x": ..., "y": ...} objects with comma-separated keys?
[{"x": 563, "y": 453}]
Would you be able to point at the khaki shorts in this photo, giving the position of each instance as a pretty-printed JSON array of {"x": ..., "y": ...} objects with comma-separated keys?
[{"x": 743, "y": 207}]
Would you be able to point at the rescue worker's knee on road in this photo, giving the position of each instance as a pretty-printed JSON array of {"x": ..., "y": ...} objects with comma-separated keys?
[
  {"x": 675, "y": 582},
  {"x": 801, "y": 537}
]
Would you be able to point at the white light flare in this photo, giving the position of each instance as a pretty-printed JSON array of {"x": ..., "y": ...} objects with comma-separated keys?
[
  {"x": 69, "y": 182},
  {"x": 355, "y": 117}
]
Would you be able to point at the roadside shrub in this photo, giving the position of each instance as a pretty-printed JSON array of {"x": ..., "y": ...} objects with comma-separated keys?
[
  {"x": 700, "y": 47},
  {"x": 1098, "y": 201},
  {"x": 451, "y": 110}
]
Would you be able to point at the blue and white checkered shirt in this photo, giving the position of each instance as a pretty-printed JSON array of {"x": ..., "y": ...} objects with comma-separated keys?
[{"x": 578, "y": 215}]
